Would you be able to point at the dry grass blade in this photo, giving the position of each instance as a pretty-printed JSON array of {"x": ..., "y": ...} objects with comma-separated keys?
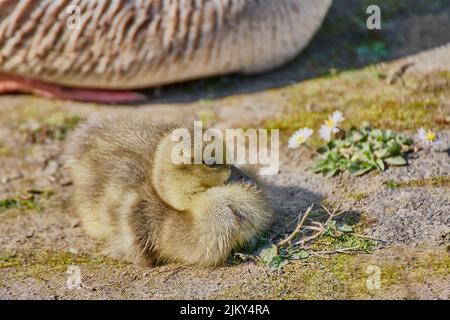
[
  {"x": 369, "y": 238},
  {"x": 343, "y": 250},
  {"x": 319, "y": 227}
]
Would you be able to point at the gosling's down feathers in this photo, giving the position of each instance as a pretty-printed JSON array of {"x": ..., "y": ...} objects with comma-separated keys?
[{"x": 129, "y": 193}]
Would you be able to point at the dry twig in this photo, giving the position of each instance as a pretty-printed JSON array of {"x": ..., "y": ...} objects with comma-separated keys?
[
  {"x": 320, "y": 227},
  {"x": 297, "y": 228},
  {"x": 398, "y": 73}
]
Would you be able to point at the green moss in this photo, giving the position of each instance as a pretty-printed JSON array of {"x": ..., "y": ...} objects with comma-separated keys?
[
  {"x": 41, "y": 264},
  {"x": 363, "y": 96},
  {"x": 442, "y": 181},
  {"x": 55, "y": 127},
  {"x": 358, "y": 196},
  {"x": 415, "y": 267},
  {"x": 4, "y": 151},
  {"x": 299, "y": 280},
  {"x": 29, "y": 107},
  {"x": 315, "y": 282},
  {"x": 418, "y": 269},
  {"x": 30, "y": 200},
  {"x": 345, "y": 276},
  {"x": 9, "y": 261},
  {"x": 391, "y": 184},
  {"x": 207, "y": 117}
]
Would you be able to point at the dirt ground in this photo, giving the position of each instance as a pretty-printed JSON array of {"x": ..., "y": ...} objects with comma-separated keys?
[{"x": 41, "y": 237}]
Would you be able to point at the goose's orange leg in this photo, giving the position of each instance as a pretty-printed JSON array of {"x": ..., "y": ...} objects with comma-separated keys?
[{"x": 10, "y": 84}]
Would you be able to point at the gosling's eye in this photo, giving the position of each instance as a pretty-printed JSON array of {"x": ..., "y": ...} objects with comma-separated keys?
[{"x": 211, "y": 162}]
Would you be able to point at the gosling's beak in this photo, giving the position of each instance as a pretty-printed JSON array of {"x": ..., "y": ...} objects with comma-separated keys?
[{"x": 237, "y": 176}]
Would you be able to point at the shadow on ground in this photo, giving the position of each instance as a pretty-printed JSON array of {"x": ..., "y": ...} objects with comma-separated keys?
[{"x": 289, "y": 202}]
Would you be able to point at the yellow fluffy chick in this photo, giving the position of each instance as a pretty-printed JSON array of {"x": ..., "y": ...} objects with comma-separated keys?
[{"x": 148, "y": 209}]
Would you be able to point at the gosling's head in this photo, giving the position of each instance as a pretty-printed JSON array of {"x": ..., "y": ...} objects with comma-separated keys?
[{"x": 178, "y": 184}]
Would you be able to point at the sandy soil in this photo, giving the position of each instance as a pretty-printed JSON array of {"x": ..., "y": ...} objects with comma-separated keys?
[{"x": 42, "y": 238}]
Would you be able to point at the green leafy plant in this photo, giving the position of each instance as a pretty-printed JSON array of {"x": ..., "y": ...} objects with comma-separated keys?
[
  {"x": 361, "y": 151},
  {"x": 271, "y": 257},
  {"x": 372, "y": 50}
]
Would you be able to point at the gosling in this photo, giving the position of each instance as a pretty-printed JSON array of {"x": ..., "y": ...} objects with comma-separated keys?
[{"x": 149, "y": 210}]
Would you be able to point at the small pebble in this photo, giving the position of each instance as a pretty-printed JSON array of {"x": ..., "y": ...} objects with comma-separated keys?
[
  {"x": 75, "y": 224},
  {"x": 73, "y": 250}
]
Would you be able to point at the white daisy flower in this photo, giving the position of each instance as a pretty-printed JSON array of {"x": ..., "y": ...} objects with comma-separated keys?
[
  {"x": 326, "y": 132},
  {"x": 427, "y": 137},
  {"x": 330, "y": 126},
  {"x": 299, "y": 137},
  {"x": 334, "y": 120}
]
